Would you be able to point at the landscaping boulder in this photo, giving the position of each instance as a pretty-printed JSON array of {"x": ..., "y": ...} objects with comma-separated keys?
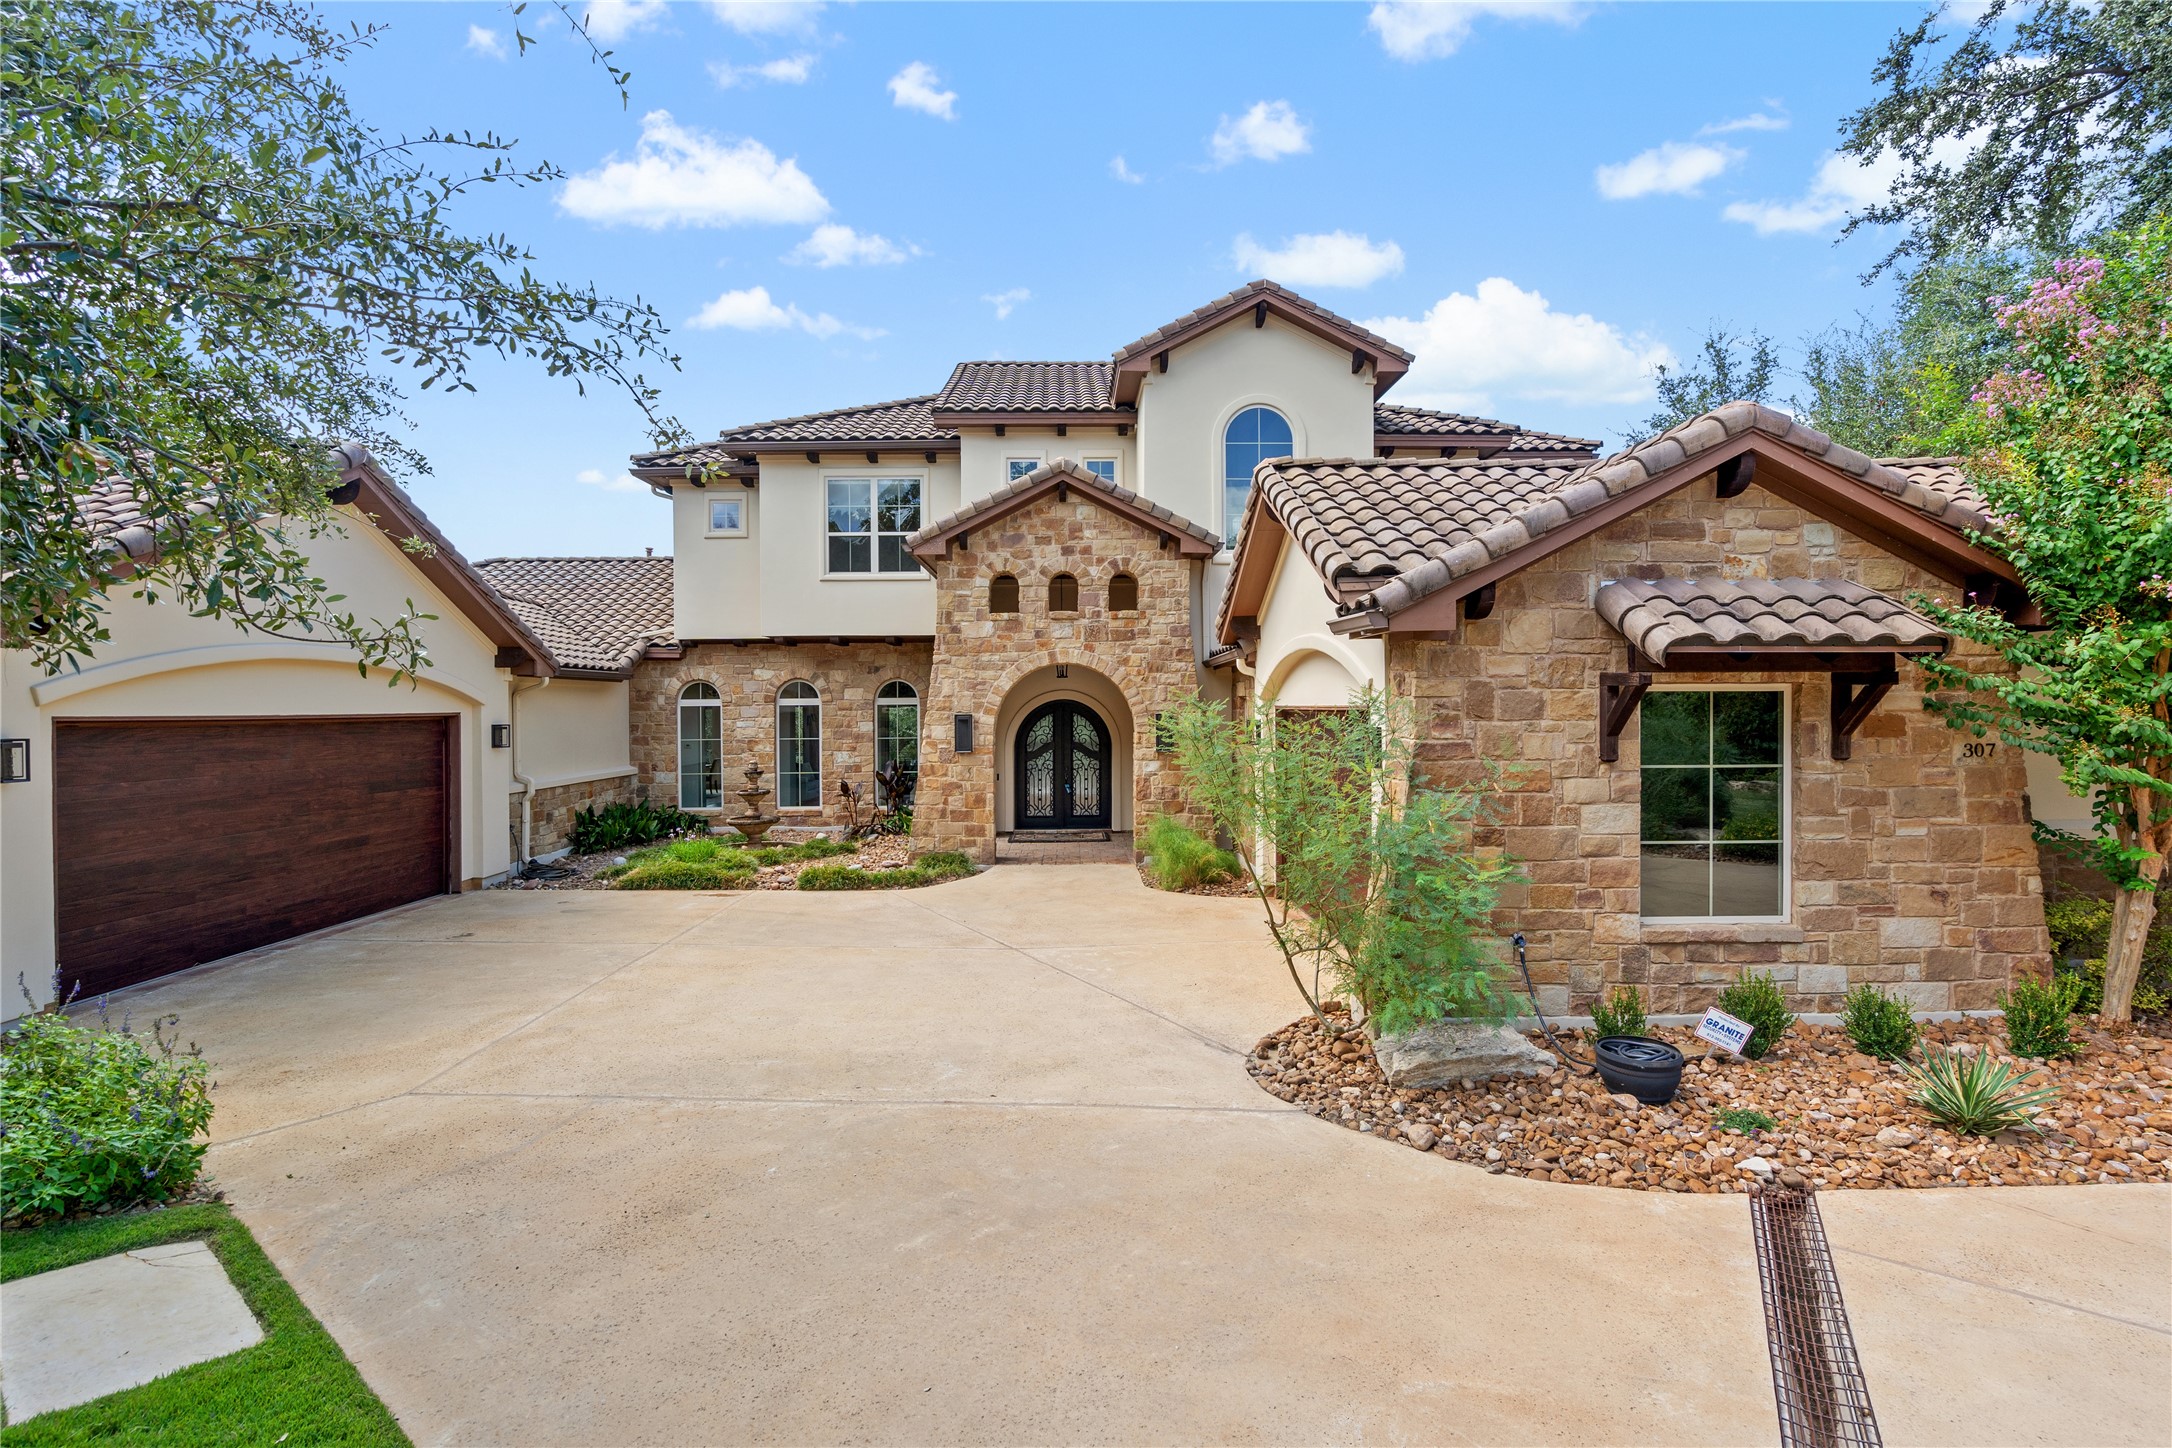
[{"x": 1449, "y": 1051}]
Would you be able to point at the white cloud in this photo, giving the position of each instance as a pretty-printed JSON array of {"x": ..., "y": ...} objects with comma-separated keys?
[
  {"x": 610, "y": 482},
  {"x": 751, "y": 310},
  {"x": 791, "y": 70},
  {"x": 609, "y": 20},
  {"x": 766, "y": 17},
  {"x": 1430, "y": 29},
  {"x": 1267, "y": 132},
  {"x": 1505, "y": 342},
  {"x": 1124, "y": 173},
  {"x": 486, "y": 42},
  {"x": 683, "y": 177},
  {"x": 835, "y": 245},
  {"x": 1773, "y": 117},
  {"x": 1673, "y": 168},
  {"x": 1842, "y": 186},
  {"x": 1004, "y": 302},
  {"x": 1321, "y": 259},
  {"x": 916, "y": 89}
]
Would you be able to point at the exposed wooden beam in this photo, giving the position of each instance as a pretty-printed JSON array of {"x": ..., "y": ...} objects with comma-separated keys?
[
  {"x": 1168, "y": 540},
  {"x": 1063, "y": 429},
  {"x": 1259, "y": 315},
  {"x": 814, "y": 457},
  {"x": 1736, "y": 474},
  {"x": 1161, "y": 360},
  {"x": 1387, "y": 452},
  {"x": 1854, "y": 696},
  {"x": 1063, "y": 491},
  {"x": 872, "y": 458},
  {"x": 930, "y": 457},
  {"x": 347, "y": 492},
  {"x": 1123, "y": 429},
  {"x": 1479, "y": 604},
  {"x": 999, "y": 429},
  {"x": 1359, "y": 360},
  {"x": 1619, "y": 695},
  {"x": 964, "y": 539}
]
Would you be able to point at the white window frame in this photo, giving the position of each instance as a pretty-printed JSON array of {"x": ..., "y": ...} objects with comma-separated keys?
[
  {"x": 1116, "y": 467},
  {"x": 895, "y": 703},
  {"x": 1787, "y": 806},
  {"x": 1011, "y": 473},
  {"x": 776, "y": 718},
  {"x": 738, "y": 499},
  {"x": 1218, "y": 462},
  {"x": 716, "y": 705},
  {"x": 874, "y": 535}
]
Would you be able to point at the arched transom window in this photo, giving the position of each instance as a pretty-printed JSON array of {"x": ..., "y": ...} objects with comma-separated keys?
[
  {"x": 799, "y": 746},
  {"x": 1253, "y": 436},
  {"x": 701, "y": 747}
]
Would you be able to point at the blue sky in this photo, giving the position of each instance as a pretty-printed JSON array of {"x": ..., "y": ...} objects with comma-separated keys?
[{"x": 832, "y": 204}]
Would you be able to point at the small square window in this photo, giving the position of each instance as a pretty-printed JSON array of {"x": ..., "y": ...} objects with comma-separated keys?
[
  {"x": 1103, "y": 468},
  {"x": 727, "y": 515},
  {"x": 1016, "y": 468}
]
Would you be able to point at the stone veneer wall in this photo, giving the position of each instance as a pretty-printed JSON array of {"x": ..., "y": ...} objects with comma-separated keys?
[
  {"x": 1148, "y": 653},
  {"x": 749, "y": 676},
  {"x": 1911, "y": 867},
  {"x": 550, "y": 822}
]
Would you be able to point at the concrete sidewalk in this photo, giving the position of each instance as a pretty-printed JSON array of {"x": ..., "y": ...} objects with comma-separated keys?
[{"x": 981, "y": 1163}]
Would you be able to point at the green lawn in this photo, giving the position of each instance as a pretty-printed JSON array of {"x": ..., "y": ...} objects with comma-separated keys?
[{"x": 294, "y": 1388}]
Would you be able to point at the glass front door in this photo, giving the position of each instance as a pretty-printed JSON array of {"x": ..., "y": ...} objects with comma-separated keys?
[{"x": 1063, "y": 767}]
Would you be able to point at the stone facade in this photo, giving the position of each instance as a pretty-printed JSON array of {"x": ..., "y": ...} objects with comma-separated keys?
[
  {"x": 1147, "y": 653},
  {"x": 550, "y": 822},
  {"x": 749, "y": 676},
  {"x": 1912, "y": 866}
]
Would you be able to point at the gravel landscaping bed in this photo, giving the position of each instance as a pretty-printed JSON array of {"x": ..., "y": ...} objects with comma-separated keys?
[
  {"x": 881, "y": 852},
  {"x": 1843, "y": 1118}
]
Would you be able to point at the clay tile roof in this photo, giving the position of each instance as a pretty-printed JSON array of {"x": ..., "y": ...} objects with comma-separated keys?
[
  {"x": 1552, "y": 443},
  {"x": 1366, "y": 517},
  {"x": 1249, "y": 292},
  {"x": 1393, "y": 417},
  {"x": 1027, "y": 387},
  {"x": 596, "y": 614},
  {"x": 909, "y": 419},
  {"x": 1002, "y": 499},
  {"x": 1760, "y": 613},
  {"x": 1942, "y": 478}
]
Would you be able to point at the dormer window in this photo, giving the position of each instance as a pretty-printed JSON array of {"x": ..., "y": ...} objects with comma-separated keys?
[{"x": 1253, "y": 436}]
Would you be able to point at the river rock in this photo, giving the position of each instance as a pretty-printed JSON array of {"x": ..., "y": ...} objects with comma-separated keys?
[{"x": 1451, "y": 1051}]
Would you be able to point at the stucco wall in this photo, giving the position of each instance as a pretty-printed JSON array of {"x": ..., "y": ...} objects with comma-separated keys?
[
  {"x": 1911, "y": 865},
  {"x": 572, "y": 730},
  {"x": 984, "y": 458},
  {"x": 1299, "y": 660},
  {"x": 163, "y": 663},
  {"x": 716, "y": 578}
]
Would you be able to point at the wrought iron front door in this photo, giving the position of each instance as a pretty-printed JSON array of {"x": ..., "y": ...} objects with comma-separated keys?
[{"x": 1063, "y": 767}]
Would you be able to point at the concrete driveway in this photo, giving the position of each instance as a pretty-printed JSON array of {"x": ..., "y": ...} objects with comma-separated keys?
[{"x": 981, "y": 1163}]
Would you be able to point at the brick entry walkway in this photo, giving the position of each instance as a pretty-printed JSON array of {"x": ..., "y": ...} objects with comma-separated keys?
[{"x": 1024, "y": 849}]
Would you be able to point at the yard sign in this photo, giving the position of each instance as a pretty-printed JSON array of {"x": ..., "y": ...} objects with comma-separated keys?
[{"x": 1725, "y": 1031}]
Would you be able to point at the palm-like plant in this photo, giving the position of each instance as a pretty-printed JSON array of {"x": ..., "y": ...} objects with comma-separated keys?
[{"x": 1978, "y": 1096}]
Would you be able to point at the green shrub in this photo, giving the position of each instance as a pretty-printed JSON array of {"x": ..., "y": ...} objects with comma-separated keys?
[
  {"x": 95, "y": 1118},
  {"x": 930, "y": 869},
  {"x": 1756, "y": 999},
  {"x": 1976, "y": 1095},
  {"x": 2081, "y": 932},
  {"x": 1180, "y": 858},
  {"x": 622, "y": 825},
  {"x": 1621, "y": 1014},
  {"x": 1737, "y": 1119},
  {"x": 1879, "y": 1024},
  {"x": 2036, "y": 1016},
  {"x": 711, "y": 864}
]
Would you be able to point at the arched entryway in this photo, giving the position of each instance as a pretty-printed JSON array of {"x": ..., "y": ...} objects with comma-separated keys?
[{"x": 1063, "y": 769}]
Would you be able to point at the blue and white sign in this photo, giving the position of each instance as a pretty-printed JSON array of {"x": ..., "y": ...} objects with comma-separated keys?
[{"x": 1727, "y": 1032}]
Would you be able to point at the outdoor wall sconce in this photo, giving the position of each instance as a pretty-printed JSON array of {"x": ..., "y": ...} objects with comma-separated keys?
[
  {"x": 501, "y": 736},
  {"x": 14, "y": 761},
  {"x": 961, "y": 729}
]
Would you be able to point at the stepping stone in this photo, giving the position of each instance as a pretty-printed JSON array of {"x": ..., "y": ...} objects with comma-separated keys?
[{"x": 82, "y": 1332}]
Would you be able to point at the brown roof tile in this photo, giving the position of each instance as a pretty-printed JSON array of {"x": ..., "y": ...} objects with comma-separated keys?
[
  {"x": 596, "y": 614},
  {"x": 1367, "y": 517},
  {"x": 1004, "y": 498},
  {"x": 1249, "y": 292},
  {"x": 908, "y": 419},
  {"x": 1759, "y": 613},
  {"x": 1027, "y": 387},
  {"x": 1393, "y": 417}
]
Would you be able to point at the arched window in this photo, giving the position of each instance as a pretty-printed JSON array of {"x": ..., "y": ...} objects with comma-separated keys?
[
  {"x": 799, "y": 746},
  {"x": 1003, "y": 594},
  {"x": 1255, "y": 435},
  {"x": 897, "y": 740},
  {"x": 701, "y": 747},
  {"x": 1063, "y": 594},
  {"x": 1123, "y": 593}
]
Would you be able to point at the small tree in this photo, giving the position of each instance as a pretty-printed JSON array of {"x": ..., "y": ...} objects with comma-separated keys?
[
  {"x": 1376, "y": 889},
  {"x": 2073, "y": 453},
  {"x": 1732, "y": 369}
]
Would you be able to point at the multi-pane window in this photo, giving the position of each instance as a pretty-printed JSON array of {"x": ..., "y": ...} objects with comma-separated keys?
[
  {"x": 1103, "y": 468},
  {"x": 727, "y": 515},
  {"x": 1016, "y": 468},
  {"x": 799, "y": 746},
  {"x": 869, "y": 521},
  {"x": 1254, "y": 435},
  {"x": 1714, "y": 803},
  {"x": 897, "y": 736},
  {"x": 701, "y": 747}
]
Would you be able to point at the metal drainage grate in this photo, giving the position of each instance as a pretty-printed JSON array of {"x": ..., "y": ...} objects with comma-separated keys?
[{"x": 1816, "y": 1377}]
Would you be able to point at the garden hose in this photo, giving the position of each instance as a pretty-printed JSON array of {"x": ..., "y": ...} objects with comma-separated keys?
[{"x": 1523, "y": 964}]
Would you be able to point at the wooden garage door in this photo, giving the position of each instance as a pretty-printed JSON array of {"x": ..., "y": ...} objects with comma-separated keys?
[{"x": 178, "y": 842}]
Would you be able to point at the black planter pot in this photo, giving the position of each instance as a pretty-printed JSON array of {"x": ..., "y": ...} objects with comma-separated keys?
[{"x": 1648, "y": 1070}]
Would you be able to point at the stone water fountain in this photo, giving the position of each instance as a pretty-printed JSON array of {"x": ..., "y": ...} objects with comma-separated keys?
[{"x": 752, "y": 823}]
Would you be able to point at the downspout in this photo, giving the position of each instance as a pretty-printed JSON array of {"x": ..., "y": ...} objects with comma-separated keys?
[{"x": 527, "y": 785}]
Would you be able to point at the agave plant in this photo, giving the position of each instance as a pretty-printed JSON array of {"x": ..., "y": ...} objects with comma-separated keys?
[{"x": 1978, "y": 1096}]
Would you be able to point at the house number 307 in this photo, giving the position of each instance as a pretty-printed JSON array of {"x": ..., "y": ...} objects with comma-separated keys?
[{"x": 1980, "y": 749}]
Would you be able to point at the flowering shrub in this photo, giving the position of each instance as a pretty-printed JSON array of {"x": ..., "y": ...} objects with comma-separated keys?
[{"x": 92, "y": 1117}]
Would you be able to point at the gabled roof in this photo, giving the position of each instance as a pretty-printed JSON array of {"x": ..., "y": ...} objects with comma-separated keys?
[
  {"x": 1711, "y": 615},
  {"x": 1262, "y": 298},
  {"x": 1027, "y": 387},
  {"x": 597, "y": 614},
  {"x": 1390, "y": 536},
  {"x": 904, "y": 423},
  {"x": 1062, "y": 475}
]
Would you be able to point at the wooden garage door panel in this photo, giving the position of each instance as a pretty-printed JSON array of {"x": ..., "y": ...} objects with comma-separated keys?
[{"x": 181, "y": 842}]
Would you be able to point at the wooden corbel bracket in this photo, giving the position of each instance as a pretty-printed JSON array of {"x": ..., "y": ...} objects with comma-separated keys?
[{"x": 1619, "y": 695}]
